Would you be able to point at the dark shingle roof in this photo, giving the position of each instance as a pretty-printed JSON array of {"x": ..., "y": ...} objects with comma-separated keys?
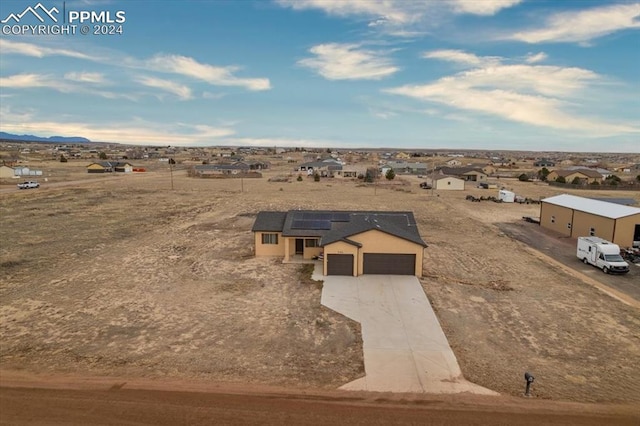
[
  {"x": 340, "y": 226},
  {"x": 399, "y": 224},
  {"x": 269, "y": 221}
]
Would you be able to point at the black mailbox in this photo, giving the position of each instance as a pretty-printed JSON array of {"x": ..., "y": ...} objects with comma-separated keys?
[{"x": 529, "y": 378}]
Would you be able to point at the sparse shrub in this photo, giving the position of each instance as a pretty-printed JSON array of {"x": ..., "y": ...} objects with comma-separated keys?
[
  {"x": 390, "y": 175},
  {"x": 523, "y": 177},
  {"x": 63, "y": 159},
  {"x": 102, "y": 155},
  {"x": 576, "y": 181},
  {"x": 316, "y": 177},
  {"x": 299, "y": 178},
  {"x": 561, "y": 179}
]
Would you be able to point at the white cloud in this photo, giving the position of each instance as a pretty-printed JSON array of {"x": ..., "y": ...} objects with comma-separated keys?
[
  {"x": 461, "y": 57},
  {"x": 219, "y": 76},
  {"x": 336, "y": 61},
  {"x": 532, "y": 94},
  {"x": 30, "y": 81},
  {"x": 533, "y": 58},
  {"x": 29, "y": 49},
  {"x": 86, "y": 77},
  {"x": 584, "y": 25},
  {"x": 136, "y": 132},
  {"x": 181, "y": 91},
  {"x": 482, "y": 7},
  {"x": 401, "y": 18}
]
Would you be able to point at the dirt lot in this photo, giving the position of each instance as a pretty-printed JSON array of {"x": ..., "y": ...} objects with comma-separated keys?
[{"x": 125, "y": 277}]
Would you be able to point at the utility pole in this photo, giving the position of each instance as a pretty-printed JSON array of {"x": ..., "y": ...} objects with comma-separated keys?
[{"x": 171, "y": 163}]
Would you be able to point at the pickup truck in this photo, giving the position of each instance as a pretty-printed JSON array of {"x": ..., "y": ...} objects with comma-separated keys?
[{"x": 27, "y": 185}]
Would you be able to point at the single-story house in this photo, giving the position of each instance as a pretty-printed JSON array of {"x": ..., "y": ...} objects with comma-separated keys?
[
  {"x": 350, "y": 243},
  {"x": 575, "y": 216},
  {"x": 544, "y": 162},
  {"x": 26, "y": 171},
  {"x": 449, "y": 183},
  {"x": 466, "y": 173},
  {"x": 325, "y": 168},
  {"x": 221, "y": 169},
  {"x": 583, "y": 175},
  {"x": 109, "y": 167},
  {"x": 604, "y": 172},
  {"x": 101, "y": 167},
  {"x": 351, "y": 171},
  {"x": 401, "y": 167}
]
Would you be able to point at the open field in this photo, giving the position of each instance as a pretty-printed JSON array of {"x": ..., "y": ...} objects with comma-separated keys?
[{"x": 124, "y": 276}]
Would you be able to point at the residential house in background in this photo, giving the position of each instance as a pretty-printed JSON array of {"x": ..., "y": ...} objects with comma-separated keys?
[
  {"x": 325, "y": 168},
  {"x": 448, "y": 183},
  {"x": 583, "y": 175},
  {"x": 470, "y": 174},
  {"x": 544, "y": 162},
  {"x": 221, "y": 169},
  {"x": 401, "y": 167}
]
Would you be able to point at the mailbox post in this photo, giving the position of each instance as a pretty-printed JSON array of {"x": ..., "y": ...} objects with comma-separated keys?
[{"x": 529, "y": 379}]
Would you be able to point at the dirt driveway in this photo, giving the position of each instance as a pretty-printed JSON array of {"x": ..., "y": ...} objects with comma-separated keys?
[{"x": 563, "y": 249}]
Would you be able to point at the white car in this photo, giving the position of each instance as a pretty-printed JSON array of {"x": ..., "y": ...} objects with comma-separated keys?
[{"x": 28, "y": 185}]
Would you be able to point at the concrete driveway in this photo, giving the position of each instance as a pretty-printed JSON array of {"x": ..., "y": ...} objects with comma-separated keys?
[{"x": 405, "y": 349}]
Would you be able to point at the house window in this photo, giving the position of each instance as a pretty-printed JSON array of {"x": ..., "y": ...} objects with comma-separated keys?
[
  {"x": 553, "y": 219},
  {"x": 269, "y": 238},
  {"x": 592, "y": 231},
  {"x": 448, "y": 183},
  {"x": 311, "y": 243}
]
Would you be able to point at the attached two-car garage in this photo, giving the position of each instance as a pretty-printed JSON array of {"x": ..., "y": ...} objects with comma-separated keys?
[{"x": 373, "y": 263}]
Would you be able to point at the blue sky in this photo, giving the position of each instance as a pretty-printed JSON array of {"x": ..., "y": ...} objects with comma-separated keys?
[{"x": 458, "y": 74}]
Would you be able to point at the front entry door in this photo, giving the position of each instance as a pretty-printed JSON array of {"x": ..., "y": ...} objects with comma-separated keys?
[{"x": 299, "y": 246}]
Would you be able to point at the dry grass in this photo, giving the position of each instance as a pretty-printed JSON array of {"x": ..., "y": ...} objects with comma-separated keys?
[{"x": 122, "y": 275}]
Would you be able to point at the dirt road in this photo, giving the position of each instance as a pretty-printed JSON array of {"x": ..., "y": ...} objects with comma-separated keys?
[{"x": 109, "y": 402}]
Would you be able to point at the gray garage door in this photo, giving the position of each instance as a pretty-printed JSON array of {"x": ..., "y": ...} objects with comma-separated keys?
[
  {"x": 391, "y": 264},
  {"x": 340, "y": 264}
]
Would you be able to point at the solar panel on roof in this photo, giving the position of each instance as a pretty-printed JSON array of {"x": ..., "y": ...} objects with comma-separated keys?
[
  {"x": 311, "y": 224},
  {"x": 316, "y": 216},
  {"x": 341, "y": 217}
]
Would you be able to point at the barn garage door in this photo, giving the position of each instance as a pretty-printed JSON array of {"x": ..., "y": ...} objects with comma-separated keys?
[
  {"x": 340, "y": 264},
  {"x": 391, "y": 264}
]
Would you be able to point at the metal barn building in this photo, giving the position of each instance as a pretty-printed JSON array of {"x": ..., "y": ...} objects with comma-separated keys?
[{"x": 580, "y": 217}]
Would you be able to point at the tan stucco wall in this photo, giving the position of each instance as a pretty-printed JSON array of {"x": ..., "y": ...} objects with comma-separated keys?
[
  {"x": 375, "y": 242},
  {"x": 619, "y": 231},
  {"x": 456, "y": 184},
  {"x": 603, "y": 227},
  {"x": 562, "y": 215},
  {"x": 269, "y": 249},
  {"x": 340, "y": 247}
]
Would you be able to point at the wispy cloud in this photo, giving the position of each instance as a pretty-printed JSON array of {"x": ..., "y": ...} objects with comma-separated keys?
[
  {"x": 461, "y": 57},
  {"x": 335, "y": 61},
  {"x": 31, "y": 81},
  {"x": 482, "y": 7},
  {"x": 136, "y": 131},
  {"x": 533, "y": 94},
  {"x": 583, "y": 25},
  {"x": 401, "y": 18},
  {"x": 181, "y": 91},
  {"x": 215, "y": 75},
  {"x": 533, "y": 58},
  {"x": 86, "y": 77},
  {"x": 30, "y": 49}
]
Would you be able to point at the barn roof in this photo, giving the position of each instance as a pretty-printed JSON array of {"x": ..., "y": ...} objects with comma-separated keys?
[{"x": 596, "y": 207}]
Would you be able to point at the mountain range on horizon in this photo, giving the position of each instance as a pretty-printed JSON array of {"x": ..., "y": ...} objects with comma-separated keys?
[{"x": 50, "y": 139}]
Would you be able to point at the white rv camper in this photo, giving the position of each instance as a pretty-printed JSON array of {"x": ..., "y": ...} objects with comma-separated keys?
[
  {"x": 601, "y": 254},
  {"x": 506, "y": 196}
]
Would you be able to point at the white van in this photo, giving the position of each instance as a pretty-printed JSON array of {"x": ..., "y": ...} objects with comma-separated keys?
[{"x": 602, "y": 254}]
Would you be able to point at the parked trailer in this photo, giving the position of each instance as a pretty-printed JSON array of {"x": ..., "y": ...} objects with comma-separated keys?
[
  {"x": 506, "y": 196},
  {"x": 602, "y": 254}
]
